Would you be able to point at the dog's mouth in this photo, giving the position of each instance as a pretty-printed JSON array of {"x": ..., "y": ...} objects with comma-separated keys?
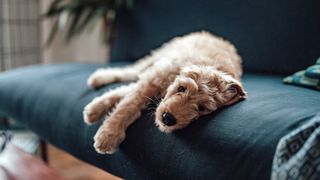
[
  {"x": 163, "y": 128},
  {"x": 168, "y": 129},
  {"x": 166, "y": 120}
]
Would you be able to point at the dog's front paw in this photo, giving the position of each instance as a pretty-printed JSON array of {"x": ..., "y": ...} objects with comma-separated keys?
[
  {"x": 90, "y": 116},
  {"x": 94, "y": 111},
  {"x": 100, "y": 78},
  {"x": 107, "y": 140}
]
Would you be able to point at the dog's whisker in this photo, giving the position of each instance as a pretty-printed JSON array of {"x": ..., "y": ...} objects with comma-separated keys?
[
  {"x": 150, "y": 114},
  {"x": 157, "y": 99},
  {"x": 150, "y": 99},
  {"x": 151, "y": 108}
]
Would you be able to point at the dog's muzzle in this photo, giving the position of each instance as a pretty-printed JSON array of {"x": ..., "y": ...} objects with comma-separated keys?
[{"x": 168, "y": 119}]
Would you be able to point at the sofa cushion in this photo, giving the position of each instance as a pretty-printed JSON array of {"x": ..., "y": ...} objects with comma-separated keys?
[
  {"x": 236, "y": 141},
  {"x": 277, "y": 36},
  {"x": 309, "y": 77}
]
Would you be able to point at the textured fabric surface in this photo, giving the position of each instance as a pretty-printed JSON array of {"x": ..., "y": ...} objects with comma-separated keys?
[
  {"x": 235, "y": 142},
  {"x": 308, "y": 78},
  {"x": 278, "y": 36},
  {"x": 298, "y": 153}
]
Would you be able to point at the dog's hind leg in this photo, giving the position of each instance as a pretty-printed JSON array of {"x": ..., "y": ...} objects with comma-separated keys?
[
  {"x": 129, "y": 73},
  {"x": 100, "y": 106}
]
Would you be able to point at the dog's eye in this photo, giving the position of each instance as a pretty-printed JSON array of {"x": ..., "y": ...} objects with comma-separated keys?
[
  {"x": 232, "y": 89},
  {"x": 181, "y": 89},
  {"x": 201, "y": 108}
]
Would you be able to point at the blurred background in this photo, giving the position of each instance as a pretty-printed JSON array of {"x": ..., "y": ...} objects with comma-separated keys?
[{"x": 24, "y": 31}]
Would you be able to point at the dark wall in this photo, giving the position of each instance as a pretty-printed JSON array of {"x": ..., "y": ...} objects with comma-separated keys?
[{"x": 276, "y": 36}]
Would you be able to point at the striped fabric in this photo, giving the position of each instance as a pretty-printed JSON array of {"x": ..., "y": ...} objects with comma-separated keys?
[
  {"x": 19, "y": 46},
  {"x": 19, "y": 33},
  {"x": 298, "y": 153}
]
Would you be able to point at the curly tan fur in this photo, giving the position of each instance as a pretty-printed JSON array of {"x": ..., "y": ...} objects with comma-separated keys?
[{"x": 194, "y": 75}]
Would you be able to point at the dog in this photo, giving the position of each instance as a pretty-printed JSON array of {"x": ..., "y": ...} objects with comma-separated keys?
[{"x": 193, "y": 75}]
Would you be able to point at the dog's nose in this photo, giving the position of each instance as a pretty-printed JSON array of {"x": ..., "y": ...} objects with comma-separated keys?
[{"x": 168, "y": 119}]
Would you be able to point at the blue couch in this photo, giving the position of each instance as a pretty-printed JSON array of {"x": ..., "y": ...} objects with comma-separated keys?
[{"x": 274, "y": 37}]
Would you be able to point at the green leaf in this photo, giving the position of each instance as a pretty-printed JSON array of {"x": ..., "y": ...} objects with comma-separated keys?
[
  {"x": 53, "y": 8},
  {"x": 85, "y": 20},
  {"x": 63, "y": 20},
  {"x": 74, "y": 22},
  {"x": 98, "y": 17},
  {"x": 74, "y": 16},
  {"x": 52, "y": 33}
]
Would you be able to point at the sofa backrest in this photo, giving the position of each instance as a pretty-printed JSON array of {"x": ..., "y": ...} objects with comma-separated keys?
[{"x": 275, "y": 36}]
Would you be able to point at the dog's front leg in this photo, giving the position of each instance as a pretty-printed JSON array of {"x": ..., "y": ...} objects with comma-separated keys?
[
  {"x": 100, "y": 106},
  {"x": 112, "y": 131}
]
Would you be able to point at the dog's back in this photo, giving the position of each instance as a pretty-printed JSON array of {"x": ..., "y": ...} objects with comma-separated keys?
[{"x": 202, "y": 48}]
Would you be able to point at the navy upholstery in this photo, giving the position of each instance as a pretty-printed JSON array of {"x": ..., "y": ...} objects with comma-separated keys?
[
  {"x": 276, "y": 36},
  {"x": 237, "y": 141}
]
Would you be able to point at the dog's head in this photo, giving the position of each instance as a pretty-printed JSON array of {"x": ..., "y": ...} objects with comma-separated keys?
[{"x": 197, "y": 91}]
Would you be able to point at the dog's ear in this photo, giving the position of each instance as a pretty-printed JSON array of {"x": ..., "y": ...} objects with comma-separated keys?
[
  {"x": 193, "y": 71},
  {"x": 234, "y": 92},
  {"x": 196, "y": 72}
]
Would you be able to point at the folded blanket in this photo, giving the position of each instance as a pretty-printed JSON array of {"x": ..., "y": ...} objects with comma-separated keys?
[
  {"x": 313, "y": 71},
  {"x": 298, "y": 153},
  {"x": 307, "y": 78}
]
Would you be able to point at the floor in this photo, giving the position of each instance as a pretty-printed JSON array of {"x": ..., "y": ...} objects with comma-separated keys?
[{"x": 74, "y": 169}]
